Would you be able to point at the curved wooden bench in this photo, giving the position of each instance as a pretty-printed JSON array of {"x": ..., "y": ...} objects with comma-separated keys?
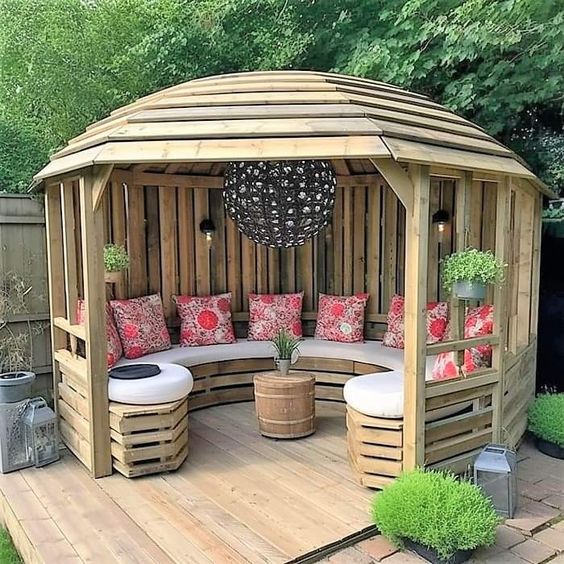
[{"x": 229, "y": 381}]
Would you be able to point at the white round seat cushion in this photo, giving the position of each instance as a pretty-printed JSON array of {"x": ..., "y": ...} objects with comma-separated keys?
[
  {"x": 173, "y": 383},
  {"x": 377, "y": 395}
]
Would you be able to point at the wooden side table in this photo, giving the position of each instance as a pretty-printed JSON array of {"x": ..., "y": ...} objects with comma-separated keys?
[{"x": 285, "y": 405}]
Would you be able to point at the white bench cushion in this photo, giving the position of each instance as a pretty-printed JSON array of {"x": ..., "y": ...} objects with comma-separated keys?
[
  {"x": 381, "y": 395},
  {"x": 370, "y": 351},
  {"x": 376, "y": 395},
  {"x": 173, "y": 383}
]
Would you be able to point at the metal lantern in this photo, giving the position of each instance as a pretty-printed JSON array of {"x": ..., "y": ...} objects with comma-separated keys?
[
  {"x": 280, "y": 203},
  {"x": 495, "y": 471},
  {"x": 41, "y": 430}
]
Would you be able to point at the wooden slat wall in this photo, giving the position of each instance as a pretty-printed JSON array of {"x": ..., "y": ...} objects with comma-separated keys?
[
  {"x": 357, "y": 252},
  {"x": 362, "y": 250}
]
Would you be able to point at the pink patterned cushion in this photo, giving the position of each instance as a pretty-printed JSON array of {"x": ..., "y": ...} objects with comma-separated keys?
[
  {"x": 478, "y": 322},
  {"x": 206, "y": 320},
  {"x": 141, "y": 325},
  {"x": 341, "y": 318},
  {"x": 115, "y": 351},
  {"x": 269, "y": 313},
  {"x": 437, "y": 318}
]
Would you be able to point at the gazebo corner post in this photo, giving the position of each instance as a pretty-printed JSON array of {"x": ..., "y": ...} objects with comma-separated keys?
[
  {"x": 503, "y": 213},
  {"x": 416, "y": 258},
  {"x": 56, "y": 276},
  {"x": 91, "y": 184}
]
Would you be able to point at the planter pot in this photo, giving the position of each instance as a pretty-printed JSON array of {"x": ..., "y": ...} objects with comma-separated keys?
[
  {"x": 431, "y": 556},
  {"x": 465, "y": 290},
  {"x": 113, "y": 277},
  {"x": 15, "y": 386},
  {"x": 550, "y": 449},
  {"x": 283, "y": 365}
]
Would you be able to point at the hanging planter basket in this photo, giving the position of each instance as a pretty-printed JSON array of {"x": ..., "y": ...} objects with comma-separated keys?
[{"x": 468, "y": 290}]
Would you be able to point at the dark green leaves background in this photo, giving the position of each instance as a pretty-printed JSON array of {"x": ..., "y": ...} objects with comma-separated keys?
[{"x": 67, "y": 63}]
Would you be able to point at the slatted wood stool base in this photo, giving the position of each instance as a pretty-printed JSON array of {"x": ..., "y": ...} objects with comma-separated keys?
[
  {"x": 374, "y": 448},
  {"x": 148, "y": 439}
]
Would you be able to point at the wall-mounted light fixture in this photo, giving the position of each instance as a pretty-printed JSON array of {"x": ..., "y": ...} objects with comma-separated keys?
[
  {"x": 208, "y": 229},
  {"x": 441, "y": 219}
]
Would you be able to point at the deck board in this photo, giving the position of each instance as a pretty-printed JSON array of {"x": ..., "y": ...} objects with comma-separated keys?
[{"x": 239, "y": 497}]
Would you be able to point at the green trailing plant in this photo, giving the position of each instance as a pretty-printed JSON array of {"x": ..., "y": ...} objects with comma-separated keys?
[
  {"x": 546, "y": 418},
  {"x": 285, "y": 345},
  {"x": 472, "y": 265},
  {"x": 436, "y": 510},
  {"x": 116, "y": 258}
]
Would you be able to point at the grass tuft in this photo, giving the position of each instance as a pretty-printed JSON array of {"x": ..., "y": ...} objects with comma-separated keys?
[
  {"x": 8, "y": 553},
  {"x": 546, "y": 418},
  {"x": 437, "y": 510}
]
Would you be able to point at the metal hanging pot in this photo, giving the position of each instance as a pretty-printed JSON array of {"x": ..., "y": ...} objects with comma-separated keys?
[{"x": 469, "y": 290}]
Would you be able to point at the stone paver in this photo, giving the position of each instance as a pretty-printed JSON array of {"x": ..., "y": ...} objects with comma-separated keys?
[
  {"x": 534, "y": 536},
  {"x": 378, "y": 547},
  {"x": 554, "y": 538},
  {"x": 351, "y": 555},
  {"x": 533, "y": 551},
  {"x": 508, "y": 537},
  {"x": 555, "y": 501}
]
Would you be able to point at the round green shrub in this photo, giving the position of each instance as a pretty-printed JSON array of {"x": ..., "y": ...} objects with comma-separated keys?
[
  {"x": 546, "y": 418},
  {"x": 471, "y": 265},
  {"x": 115, "y": 258},
  {"x": 436, "y": 510}
]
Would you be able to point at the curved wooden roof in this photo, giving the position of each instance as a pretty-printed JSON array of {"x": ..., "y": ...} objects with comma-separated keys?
[{"x": 285, "y": 114}]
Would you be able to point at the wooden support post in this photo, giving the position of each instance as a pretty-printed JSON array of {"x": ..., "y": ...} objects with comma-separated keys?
[
  {"x": 462, "y": 229},
  {"x": 95, "y": 323},
  {"x": 503, "y": 212},
  {"x": 417, "y": 248},
  {"x": 537, "y": 225},
  {"x": 69, "y": 254},
  {"x": 56, "y": 276}
]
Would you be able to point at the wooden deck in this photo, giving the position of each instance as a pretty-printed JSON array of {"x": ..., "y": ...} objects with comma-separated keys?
[{"x": 239, "y": 497}]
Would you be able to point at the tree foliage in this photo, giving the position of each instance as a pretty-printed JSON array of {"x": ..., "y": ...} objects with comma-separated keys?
[{"x": 66, "y": 63}]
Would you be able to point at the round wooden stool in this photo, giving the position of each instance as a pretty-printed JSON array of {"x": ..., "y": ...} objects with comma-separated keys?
[{"x": 285, "y": 405}]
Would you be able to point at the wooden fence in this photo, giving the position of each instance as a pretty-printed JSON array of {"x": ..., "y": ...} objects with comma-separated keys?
[{"x": 23, "y": 263}]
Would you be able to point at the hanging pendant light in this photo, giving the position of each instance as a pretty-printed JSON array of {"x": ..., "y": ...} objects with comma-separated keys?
[{"x": 280, "y": 203}]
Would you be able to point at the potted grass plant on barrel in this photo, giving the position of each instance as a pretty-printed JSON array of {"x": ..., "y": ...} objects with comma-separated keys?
[
  {"x": 286, "y": 348},
  {"x": 435, "y": 514},
  {"x": 546, "y": 423},
  {"x": 116, "y": 261},
  {"x": 466, "y": 273}
]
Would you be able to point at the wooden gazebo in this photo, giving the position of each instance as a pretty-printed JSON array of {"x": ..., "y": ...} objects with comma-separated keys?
[{"x": 148, "y": 174}]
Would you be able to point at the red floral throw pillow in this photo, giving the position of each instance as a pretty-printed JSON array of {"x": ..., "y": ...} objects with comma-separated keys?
[
  {"x": 141, "y": 325},
  {"x": 269, "y": 313},
  {"x": 341, "y": 318},
  {"x": 437, "y": 319},
  {"x": 114, "y": 351},
  {"x": 478, "y": 322},
  {"x": 206, "y": 320}
]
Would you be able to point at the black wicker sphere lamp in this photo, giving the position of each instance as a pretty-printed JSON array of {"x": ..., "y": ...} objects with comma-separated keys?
[{"x": 280, "y": 203}]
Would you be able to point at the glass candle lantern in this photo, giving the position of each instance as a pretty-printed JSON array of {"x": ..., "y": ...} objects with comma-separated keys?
[
  {"x": 42, "y": 433},
  {"x": 495, "y": 472}
]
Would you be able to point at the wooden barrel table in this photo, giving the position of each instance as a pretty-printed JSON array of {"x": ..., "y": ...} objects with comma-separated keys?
[{"x": 285, "y": 405}]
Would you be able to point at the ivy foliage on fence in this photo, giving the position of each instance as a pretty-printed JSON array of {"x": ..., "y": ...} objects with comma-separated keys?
[{"x": 66, "y": 63}]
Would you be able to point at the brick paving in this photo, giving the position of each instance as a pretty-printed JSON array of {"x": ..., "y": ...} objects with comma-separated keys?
[{"x": 534, "y": 536}]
